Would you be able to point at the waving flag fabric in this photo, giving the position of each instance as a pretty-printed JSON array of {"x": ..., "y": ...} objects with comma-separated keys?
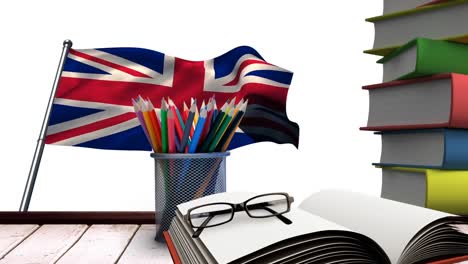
[{"x": 93, "y": 108}]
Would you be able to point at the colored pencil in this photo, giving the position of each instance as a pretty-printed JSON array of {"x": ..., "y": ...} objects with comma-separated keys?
[
  {"x": 146, "y": 117},
  {"x": 155, "y": 123},
  {"x": 179, "y": 117},
  {"x": 211, "y": 135},
  {"x": 164, "y": 147},
  {"x": 215, "y": 112},
  {"x": 206, "y": 128},
  {"x": 231, "y": 130},
  {"x": 198, "y": 131},
  {"x": 183, "y": 141},
  {"x": 177, "y": 121},
  {"x": 196, "y": 112},
  {"x": 238, "y": 106},
  {"x": 231, "y": 105},
  {"x": 221, "y": 131},
  {"x": 185, "y": 112},
  {"x": 141, "y": 119},
  {"x": 177, "y": 143},
  {"x": 195, "y": 117},
  {"x": 233, "y": 100},
  {"x": 171, "y": 132}
]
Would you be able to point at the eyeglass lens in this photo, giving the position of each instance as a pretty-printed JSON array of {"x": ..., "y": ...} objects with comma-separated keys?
[
  {"x": 267, "y": 205},
  {"x": 211, "y": 215}
]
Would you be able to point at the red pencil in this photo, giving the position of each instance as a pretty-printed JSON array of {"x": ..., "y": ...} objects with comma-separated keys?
[
  {"x": 178, "y": 127},
  {"x": 185, "y": 112},
  {"x": 206, "y": 129},
  {"x": 155, "y": 122}
]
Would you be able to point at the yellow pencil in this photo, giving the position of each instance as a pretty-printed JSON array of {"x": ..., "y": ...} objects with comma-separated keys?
[
  {"x": 242, "y": 108},
  {"x": 149, "y": 125}
]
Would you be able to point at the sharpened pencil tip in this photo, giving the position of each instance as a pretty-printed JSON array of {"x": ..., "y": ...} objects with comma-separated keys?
[
  {"x": 244, "y": 106},
  {"x": 203, "y": 113},
  {"x": 210, "y": 106},
  {"x": 193, "y": 108},
  {"x": 171, "y": 103},
  {"x": 163, "y": 104},
  {"x": 170, "y": 114}
]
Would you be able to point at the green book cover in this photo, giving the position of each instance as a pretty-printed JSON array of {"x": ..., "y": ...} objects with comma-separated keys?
[{"x": 432, "y": 57}]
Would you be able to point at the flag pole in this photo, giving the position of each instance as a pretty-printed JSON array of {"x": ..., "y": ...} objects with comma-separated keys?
[{"x": 36, "y": 162}]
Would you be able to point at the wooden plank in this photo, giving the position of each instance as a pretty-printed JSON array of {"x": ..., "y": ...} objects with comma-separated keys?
[
  {"x": 46, "y": 245},
  {"x": 88, "y": 218},
  {"x": 100, "y": 244},
  {"x": 144, "y": 249},
  {"x": 12, "y": 235}
]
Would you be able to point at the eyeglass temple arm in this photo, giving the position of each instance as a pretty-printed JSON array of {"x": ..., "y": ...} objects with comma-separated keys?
[
  {"x": 202, "y": 226},
  {"x": 240, "y": 208},
  {"x": 279, "y": 216}
]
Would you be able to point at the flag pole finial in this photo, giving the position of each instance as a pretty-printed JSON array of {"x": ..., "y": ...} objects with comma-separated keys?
[{"x": 68, "y": 42}]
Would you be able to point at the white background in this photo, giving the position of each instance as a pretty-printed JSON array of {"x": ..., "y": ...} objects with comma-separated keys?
[{"x": 320, "y": 41}]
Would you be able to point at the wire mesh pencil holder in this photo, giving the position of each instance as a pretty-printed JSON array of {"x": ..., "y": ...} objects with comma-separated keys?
[{"x": 180, "y": 178}]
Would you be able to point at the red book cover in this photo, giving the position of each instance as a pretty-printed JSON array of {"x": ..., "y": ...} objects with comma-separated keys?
[
  {"x": 459, "y": 102},
  {"x": 435, "y": 2},
  {"x": 172, "y": 249},
  {"x": 451, "y": 261}
]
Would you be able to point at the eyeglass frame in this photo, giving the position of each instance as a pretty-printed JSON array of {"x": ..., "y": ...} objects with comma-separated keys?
[{"x": 239, "y": 207}]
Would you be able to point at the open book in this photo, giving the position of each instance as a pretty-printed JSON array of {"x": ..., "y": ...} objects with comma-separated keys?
[{"x": 328, "y": 227}]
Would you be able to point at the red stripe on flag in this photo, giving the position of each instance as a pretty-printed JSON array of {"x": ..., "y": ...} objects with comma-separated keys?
[
  {"x": 241, "y": 67},
  {"x": 120, "y": 93},
  {"x": 110, "y": 64},
  {"x": 50, "y": 139}
]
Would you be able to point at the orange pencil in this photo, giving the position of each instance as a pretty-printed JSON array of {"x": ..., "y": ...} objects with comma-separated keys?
[
  {"x": 195, "y": 118},
  {"x": 149, "y": 126},
  {"x": 239, "y": 105}
]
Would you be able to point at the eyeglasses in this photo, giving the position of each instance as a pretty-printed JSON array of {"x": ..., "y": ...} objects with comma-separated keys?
[{"x": 261, "y": 206}]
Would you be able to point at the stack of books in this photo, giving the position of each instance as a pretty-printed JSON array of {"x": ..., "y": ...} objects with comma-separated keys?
[{"x": 421, "y": 108}]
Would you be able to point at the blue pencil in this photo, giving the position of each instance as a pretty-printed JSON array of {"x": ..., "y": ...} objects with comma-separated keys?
[
  {"x": 198, "y": 131},
  {"x": 188, "y": 127}
]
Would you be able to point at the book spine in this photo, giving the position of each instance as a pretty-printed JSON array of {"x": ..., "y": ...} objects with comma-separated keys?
[
  {"x": 436, "y": 56},
  {"x": 405, "y": 127},
  {"x": 459, "y": 111},
  {"x": 446, "y": 191},
  {"x": 456, "y": 149}
]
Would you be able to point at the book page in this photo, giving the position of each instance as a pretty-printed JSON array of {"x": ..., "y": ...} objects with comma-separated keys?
[
  {"x": 244, "y": 235},
  {"x": 391, "y": 224}
]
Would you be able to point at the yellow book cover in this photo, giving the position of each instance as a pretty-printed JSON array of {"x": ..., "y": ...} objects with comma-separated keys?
[{"x": 443, "y": 190}]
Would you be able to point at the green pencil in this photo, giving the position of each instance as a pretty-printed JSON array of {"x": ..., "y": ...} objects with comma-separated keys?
[
  {"x": 164, "y": 126},
  {"x": 221, "y": 130},
  {"x": 212, "y": 133}
]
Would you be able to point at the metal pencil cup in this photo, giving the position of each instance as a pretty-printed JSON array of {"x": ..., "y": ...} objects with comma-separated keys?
[{"x": 184, "y": 177}]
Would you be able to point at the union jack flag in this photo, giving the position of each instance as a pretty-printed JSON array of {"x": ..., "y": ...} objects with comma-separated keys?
[{"x": 92, "y": 107}]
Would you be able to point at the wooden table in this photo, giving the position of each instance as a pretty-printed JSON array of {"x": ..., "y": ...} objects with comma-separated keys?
[{"x": 80, "y": 237}]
